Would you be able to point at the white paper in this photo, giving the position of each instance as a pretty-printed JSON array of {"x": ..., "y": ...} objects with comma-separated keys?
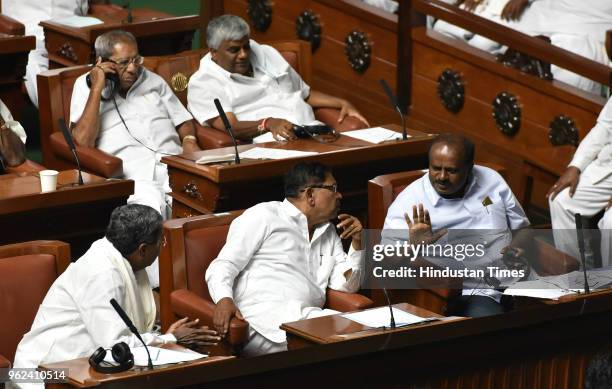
[
  {"x": 162, "y": 356},
  {"x": 374, "y": 135},
  {"x": 78, "y": 21},
  {"x": 381, "y": 317},
  {"x": 265, "y": 137},
  {"x": 265, "y": 153},
  {"x": 215, "y": 158}
]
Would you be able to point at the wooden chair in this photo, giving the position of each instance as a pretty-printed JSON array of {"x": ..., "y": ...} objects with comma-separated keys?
[
  {"x": 190, "y": 245},
  {"x": 382, "y": 190},
  {"x": 27, "y": 271}
]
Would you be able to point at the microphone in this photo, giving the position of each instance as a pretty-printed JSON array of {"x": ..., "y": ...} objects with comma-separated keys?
[
  {"x": 131, "y": 326},
  {"x": 394, "y": 102},
  {"x": 228, "y": 128},
  {"x": 392, "y": 324},
  {"x": 72, "y": 146},
  {"x": 579, "y": 231}
]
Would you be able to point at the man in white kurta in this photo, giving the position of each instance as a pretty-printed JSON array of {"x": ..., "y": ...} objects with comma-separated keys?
[
  {"x": 461, "y": 207},
  {"x": 586, "y": 188},
  {"x": 258, "y": 89},
  {"x": 30, "y": 13},
  {"x": 576, "y": 26},
  {"x": 276, "y": 264},
  {"x": 76, "y": 317},
  {"x": 140, "y": 123}
]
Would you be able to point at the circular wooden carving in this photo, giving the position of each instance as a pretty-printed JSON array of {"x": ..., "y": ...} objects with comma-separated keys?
[
  {"x": 308, "y": 28},
  {"x": 358, "y": 50},
  {"x": 562, "y": 131},
  {"x": 260, "y": 12},
  {"x": 67, "y": 51},
  {"x": 179, "y": 82},
  {"x": 451, "y": 90},
  {"x": 507, "y": 113}
]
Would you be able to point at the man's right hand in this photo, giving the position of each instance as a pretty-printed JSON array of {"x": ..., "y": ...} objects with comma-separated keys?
[
  {"x": 570, "y": 178},
  {"x": 281, "y": 129},
  {"x": 224, "y": 311},
  {"x": 97, "y": 75},
  {"x": 419, "y": 227}
]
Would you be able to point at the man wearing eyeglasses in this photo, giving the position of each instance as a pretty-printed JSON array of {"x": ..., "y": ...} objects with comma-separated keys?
[
  {"x": 280, "y": 257},
  {"x": 130, "y": 112}
]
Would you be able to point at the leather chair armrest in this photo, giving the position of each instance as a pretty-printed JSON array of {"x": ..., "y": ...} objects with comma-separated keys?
[
  {"x": 11, "y": 26},
  {"x": 4, "y": 363},
  {"x": 26, "y": 167},
  {"x": 330, "y": 117},
  {"x": 92, "y": 159},
  {"x": 211, "y": 138},
  {"x": 347, "y": 302},
  {"x": 188, "y": 304}
]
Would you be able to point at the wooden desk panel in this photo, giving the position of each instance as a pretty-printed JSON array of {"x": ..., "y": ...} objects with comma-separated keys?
[
  {"x": 158, "y": 33},
  {"x": 201, "y": 189},
  {"x": 74, "y": 214},
  {"x": 14, "y": 52}
]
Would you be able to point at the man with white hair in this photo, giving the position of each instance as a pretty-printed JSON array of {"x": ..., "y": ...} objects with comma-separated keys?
[{"x": 259, "y": 90}]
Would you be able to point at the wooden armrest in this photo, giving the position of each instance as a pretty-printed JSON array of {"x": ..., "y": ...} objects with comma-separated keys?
[
  {"x": 11, "y": 26},
  {"x": 330, "y": 117},
  {"x": 609, "y": 44},
  {"x": 4, "y": 363},
  {"x": 211, "y": 138},
  {"x": 187, "y": 304},
  {"x": 92, "y": 159},
  {"x": 26, "y": 167},
  {"x": 347, "y": 302}
]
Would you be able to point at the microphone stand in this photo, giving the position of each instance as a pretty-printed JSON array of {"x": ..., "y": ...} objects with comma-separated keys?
[
  {"x": 228, "y": 128},
  {"x": 393, "y": 100},
  {"x": 579, "y": 231},
  {"x": 72, "y": 147},
  {"x": 131, "y": 327}
]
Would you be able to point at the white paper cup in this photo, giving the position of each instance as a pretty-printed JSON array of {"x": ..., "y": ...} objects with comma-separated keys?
[{"x": 48, "y": 180}]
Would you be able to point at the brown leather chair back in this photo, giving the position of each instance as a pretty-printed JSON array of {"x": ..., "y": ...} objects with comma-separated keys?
[
  {"x": 202, "y": 246},
  {"x": 27, "y": 271}
]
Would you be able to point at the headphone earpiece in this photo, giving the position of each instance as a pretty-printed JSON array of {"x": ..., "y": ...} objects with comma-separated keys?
[{"x": 120, "y": 352}]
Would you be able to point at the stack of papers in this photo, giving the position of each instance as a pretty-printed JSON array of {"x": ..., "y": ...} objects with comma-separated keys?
[
  {"x": 255, "y": 153},
  {"x": 374, "y": 135},
  {"x": 381, "y": 317},
  {"x": 215, "y": 158},
  {"x": 78, "y": 21},
  {"x": 162, "y": 356}
]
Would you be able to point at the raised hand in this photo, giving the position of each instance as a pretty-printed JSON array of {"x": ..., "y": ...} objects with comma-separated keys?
[
  {"x": 419, "y": 228},
  {"x": 351, "y": 228}
]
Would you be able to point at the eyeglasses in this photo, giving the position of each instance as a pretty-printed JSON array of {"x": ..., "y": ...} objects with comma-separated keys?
[
  {"x": 333, "y": 187},
  {"x": 137, "y": 60}
]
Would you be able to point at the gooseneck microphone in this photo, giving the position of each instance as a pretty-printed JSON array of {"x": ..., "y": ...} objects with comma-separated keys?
[
  {"x": 228, "y": 128},
  {"x": 394, "y": 102},
  {"x": 131, "y": 326},
  {"x": 579, "y": 231},
  {"x": 392, "y": 323},
  {"x": 72, "y": 146}
]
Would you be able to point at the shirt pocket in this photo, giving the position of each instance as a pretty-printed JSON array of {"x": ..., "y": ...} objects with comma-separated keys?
[
  {"x": 152, "y": 102},
  {"x": 494, "y": 216},
  {"x": 326, "y": 266}
]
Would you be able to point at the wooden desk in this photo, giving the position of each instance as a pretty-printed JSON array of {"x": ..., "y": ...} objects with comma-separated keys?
[
  {"x": 74, "y": 214},
  {"x": 81, "y": 375},
  {"x": 158, "y": 33},
  {"x": 201, "y": 189},
  {"x": 335, "y": 328},
  {"x": 14, "y": 52}
]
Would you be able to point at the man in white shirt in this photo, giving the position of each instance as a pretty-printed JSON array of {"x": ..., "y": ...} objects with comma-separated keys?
[
  {"x": 140, "y": 122},
  {"x": 12, "y": 139},
  {"x": 30, "y": 13},
  {"x": 452, "y": 198},
  {"x": 76, "y": 316},
  {"x": 280, "y": 257},
  {"x": 586, "y": 188},
  {"x": 258, "y": 89}
]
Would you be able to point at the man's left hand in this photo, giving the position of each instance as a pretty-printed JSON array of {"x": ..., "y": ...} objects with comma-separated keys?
[
  {"x": 188, "y": 334},
  {"x": 514, "y": 9},
  {"x": 190, "y": 145},
  {"x": 351, "y": 228},
  {"x": 347, "y": 109}
]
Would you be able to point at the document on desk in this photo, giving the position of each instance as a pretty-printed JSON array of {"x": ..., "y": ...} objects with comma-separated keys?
[
  {"x": 265, "y": 153},
  {"x": 554, "y": 287},
  {"x": 374, "y": 135},
  {"x": 216, "y": 158},
  {"x": 78, "y": 21},
  {"x": 162, "y": 356},
  {"x": 381, "y": 317}
]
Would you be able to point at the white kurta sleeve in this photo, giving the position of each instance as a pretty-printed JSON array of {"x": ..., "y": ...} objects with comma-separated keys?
[
  {"x": 202, "y": 91},
  {"x": 177, "y": 112},
  {"x": 80, "y": 94},
  {"x": 353, "y": 262},
  {"x": 595, "y": 140},
  {"x": 245, "y": 236},
  {"x": 12, "y": 124},
  {"x": 99, "y": 317}
]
